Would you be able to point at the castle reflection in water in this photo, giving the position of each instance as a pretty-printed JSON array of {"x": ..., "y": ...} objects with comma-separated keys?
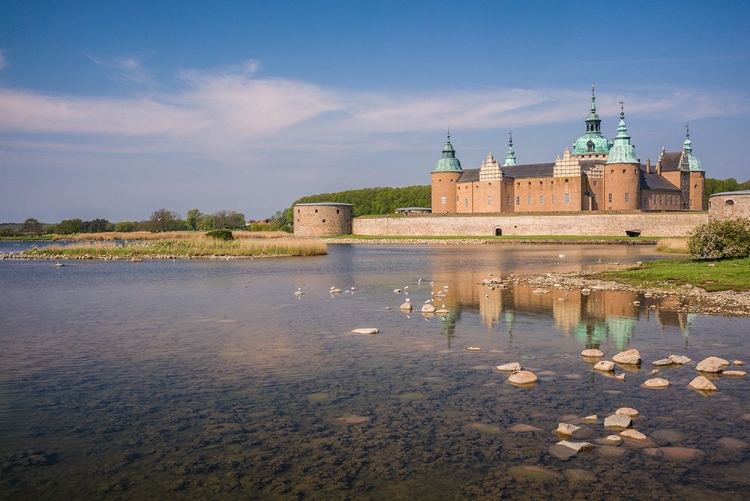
[{"x": 593, "y": 317}]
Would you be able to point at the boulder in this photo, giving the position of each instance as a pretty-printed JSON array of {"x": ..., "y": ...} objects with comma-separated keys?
[
  {"x": 628, "y": 411},
  {"x": 656, "y": 383},
  {"x": 604, "y": 366},
  {"x": 679, "y": 359},
  {"x": 701, "y": 383},
  {"x": 428, "y": 308},
  {"x": 522, "y": 377},
  {"x": 662, "y": 363},
  {"x": 609, "y": 440},
  {"x": 628, "y": 357},
  {"x": 511, "y": 367},
  {"x": 633, "y": 435},
  {"x": 406, "y": 307},
  {"x": 567, "y": 429},
  {"x": 618, "y": 421},
  {"x": 711, "y": 364},
  {"x": 576, "y": 446},
  {"x": 365, "y": 330},
  {"x": 592, "y": 353},
  {"x": 734, "y": 373}
]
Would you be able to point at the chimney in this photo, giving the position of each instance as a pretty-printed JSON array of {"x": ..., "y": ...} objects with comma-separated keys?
[{"x": 648, "y": 166}]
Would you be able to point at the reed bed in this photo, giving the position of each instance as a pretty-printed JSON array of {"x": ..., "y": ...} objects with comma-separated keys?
[
  {"x": 167, "y": 235},
  {"x": 199, "y": 246},
  {"x": 675, "y": 245}
]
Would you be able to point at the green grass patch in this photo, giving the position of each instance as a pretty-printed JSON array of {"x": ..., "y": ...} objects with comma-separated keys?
[{"x": 728, "y": 274}]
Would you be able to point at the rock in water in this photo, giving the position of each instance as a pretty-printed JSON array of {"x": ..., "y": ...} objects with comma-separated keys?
[
  {"x": 592, "y": 353},
  {"x": 604, "y": 366},
  {"x": 734, "y": 373},
  {"x": 679, "y": 359},
  {"x": 567, "y": 429},
  {"x": 428, "y": 308},
  {"x": 628, "y": 411},
  {"x": 365, "y": 330},
  {"x": 656, "y": 383},
  {"x": 618, "y": 421},
  {"x": 511, "y": 367},
  {"x": 711, "y": 364},
  {"x": 633, "y": 435},
  {"x": 628, "y": 357},
  {"x": 702, "y": 383},
  {"x": 522, "y": 377},
  {"x": 405, "y": 306}
]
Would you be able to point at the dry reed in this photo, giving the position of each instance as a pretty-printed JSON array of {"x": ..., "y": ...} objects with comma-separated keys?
[
  {"x": 675, "y": 245},
  {"x": 166, "y": 235}
]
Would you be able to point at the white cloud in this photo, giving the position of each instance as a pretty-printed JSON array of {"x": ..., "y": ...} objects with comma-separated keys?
[{"x": 127, "y": 69}]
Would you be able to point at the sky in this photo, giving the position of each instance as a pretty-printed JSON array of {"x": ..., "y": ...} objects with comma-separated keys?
[{"x": 114, "y": 109}]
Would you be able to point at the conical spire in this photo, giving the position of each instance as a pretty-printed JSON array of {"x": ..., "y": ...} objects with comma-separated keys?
[
  {"x": 687, "y": 160},
  {"x": 622, "y": 152},
  {"x": 592, "y": 142},
  {"x": 511, "y": 158},
  {"x": 448, "y": 161}
]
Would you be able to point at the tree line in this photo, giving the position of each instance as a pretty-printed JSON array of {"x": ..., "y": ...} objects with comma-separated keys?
[{"x": 372, "y": 201}]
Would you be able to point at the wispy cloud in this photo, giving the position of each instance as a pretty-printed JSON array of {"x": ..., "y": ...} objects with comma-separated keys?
[
  {"x": 228, "y": 110},
  {"x": 127, "y": 69}
]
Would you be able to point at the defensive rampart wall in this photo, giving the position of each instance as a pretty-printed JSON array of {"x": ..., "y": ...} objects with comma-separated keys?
[{"x": 650, "y": 224}]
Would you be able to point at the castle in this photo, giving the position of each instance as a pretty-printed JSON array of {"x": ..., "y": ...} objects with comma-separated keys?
[{"x": 597, "y": 175}]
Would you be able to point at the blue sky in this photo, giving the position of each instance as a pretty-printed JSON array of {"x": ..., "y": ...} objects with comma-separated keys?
[{"x": 113, "y": 109}]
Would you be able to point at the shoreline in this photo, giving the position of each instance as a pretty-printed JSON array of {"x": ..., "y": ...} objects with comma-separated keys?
[{"x": 486, "y": 241}]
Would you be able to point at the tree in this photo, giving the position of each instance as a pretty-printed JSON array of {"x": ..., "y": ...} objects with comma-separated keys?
[
  {"x": 164, "y": 220},
  {"x": 32, "y": 227},
  {"x": 192, "y": 219},
  {"x": 69, "y": 226},
  {"x": 125, "y": 226}
]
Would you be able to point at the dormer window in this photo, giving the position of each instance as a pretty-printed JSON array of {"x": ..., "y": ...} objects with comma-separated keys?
[{"x": 590, "y": 146}]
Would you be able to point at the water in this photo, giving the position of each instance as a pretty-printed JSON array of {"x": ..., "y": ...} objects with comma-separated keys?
[{"x": 211, "y": 379}]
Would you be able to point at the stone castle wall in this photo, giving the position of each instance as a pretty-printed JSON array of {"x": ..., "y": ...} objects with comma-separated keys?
[
  {"x": 586, "y": 224},
  {"x": 730, "y": 205},
  {"x": 323, "y": 220}
]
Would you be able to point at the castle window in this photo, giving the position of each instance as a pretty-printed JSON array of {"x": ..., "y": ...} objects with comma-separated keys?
[
  {"x": 595, "y": 181},
  {"x": 623, "y": 171},
  {"x": 590, "y": 146},
  {"x": 627, "y": 197},
  {"x": 442, "y": 200},
  {"x": 297, "y": 211},
  {"x": 528, "y": 200},
  {"x": 316, "y": 211},
  {"x": 553, "y": 199},
  {"x": 541, "y": 199},
  {"x": 466, "y": 202},
  {"x": 529, "y": 183},
  {"x": 337, "y": 211},
  {"x": 729, "y": 202},
  {"x": 566, "y": 180},
  {"x": 324, "y": 220},
  {"x": 518, "y": 200},
  {"x": 507, "y": 200},
  {"x": 610, "y": 198},
  {"x": 541, "y": 183},
  {"x": 457, "y": 199},
  {"x": 567, "y": 198},
  {"x": 612, "y": 171},
  {"x": 489, "y": 200}
]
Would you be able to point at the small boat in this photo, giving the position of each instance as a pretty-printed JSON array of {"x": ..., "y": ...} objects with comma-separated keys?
[{"x": 633, "y": 233}]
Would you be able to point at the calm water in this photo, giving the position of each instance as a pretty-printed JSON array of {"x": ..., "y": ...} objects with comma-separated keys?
[{"x": 211, "y": 379}]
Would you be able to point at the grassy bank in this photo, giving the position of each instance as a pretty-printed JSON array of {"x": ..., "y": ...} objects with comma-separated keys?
[
  {"x": 729, "y": 274},
  {"x": 198, "y": 246},
  {"x": 506, "y": 238},
  {"x": 167, "y": 235}
]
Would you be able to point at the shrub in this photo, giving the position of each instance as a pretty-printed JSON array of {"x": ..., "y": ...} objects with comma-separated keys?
[
  {"x": 721, "y": 239},
  {"x": 220, "y": 234}
]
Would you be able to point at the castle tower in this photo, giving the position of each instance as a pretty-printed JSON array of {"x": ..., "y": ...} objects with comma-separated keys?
[
  {"x": 696, "y": 176},
  {"x": 592, "y": 144},
  {"x": 444, "y": 177},
  {"x": 622, "y": 172},
  {"x": 510, "y": 160}
]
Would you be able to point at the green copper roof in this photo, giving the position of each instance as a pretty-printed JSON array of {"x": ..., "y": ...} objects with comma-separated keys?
[
  {"x": 687, "y": 153},
  {"x": 448, "y": 161},
  {"x": 592, "y": 142},
  {"x": 622, "y": 152},
  {"x": 511, "y": 158}
]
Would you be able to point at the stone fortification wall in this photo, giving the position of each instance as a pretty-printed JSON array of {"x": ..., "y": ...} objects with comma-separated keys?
[
  {"x": 729, "y": 205},
  {"x": 323, "y": 219},
  {"x": 650, "y": 224}
]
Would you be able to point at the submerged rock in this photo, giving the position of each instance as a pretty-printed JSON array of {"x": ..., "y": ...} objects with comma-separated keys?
[
  {"x": 628, "y": 357},
  {"x": 576, "y": 446},
  {"x": 567, "y": 429},
  {"x": 662, "y": 363},
  {"x": 406, "y": 306},
  {"x": 428, "y": 308},
  {"x": 633, "y": 435},
  {"x": 628, "y": 411},
  {"x": 734, "y": 373},
  {"x": 524, "y": 428},
  {"x": 679, "y": 359}
]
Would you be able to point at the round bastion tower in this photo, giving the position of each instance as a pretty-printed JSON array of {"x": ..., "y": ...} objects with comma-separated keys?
[
  {"x": 622, "y": 173},
  {"x": 444, "y": 177}
]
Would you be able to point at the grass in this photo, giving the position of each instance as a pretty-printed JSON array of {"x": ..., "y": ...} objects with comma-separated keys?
[
  {"x": 673, "y": 245},
  {"x": 199, "y": 246},
  {"x": 727, "y": 274},
  {"x": 167, "y": 235}
]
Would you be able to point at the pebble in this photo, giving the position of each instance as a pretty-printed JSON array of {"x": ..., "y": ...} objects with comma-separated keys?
[
  {"x": 474, "y": 348},
  {"x": 522, "y": 378},
  {"x": 618, "y": 421},
  {"x": 365, "y": 330},
  {"x": 592, "y": 353},
  {"x": 511, "y": 367},
  {"x": 628, "y": 411},
  {"x": 734, "y": 373},
  {"x": 567, "y": 429},
  {"x": 739, "y": 363},
  {"x": 524, "y": 428},
  {"x": 604, "y": 366},
  {"x": 679, "y": 359},
  {"x": 628, "y": 357},
  {"x": 633, "y": 435},
  {"x": 702, "y": 383}
]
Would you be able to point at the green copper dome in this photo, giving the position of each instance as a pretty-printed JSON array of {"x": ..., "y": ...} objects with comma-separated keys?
[
  {"x": 592, "y": 142},
  {"x": 510, "y": 160},
  {"x": 622, "y": 152},
  {"x": 448, "y": 161}
]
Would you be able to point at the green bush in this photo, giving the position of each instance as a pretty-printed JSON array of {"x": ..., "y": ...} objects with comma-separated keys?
[
  {"x": 721, "y": 239},
  {"x": 220, "y": 234}
]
